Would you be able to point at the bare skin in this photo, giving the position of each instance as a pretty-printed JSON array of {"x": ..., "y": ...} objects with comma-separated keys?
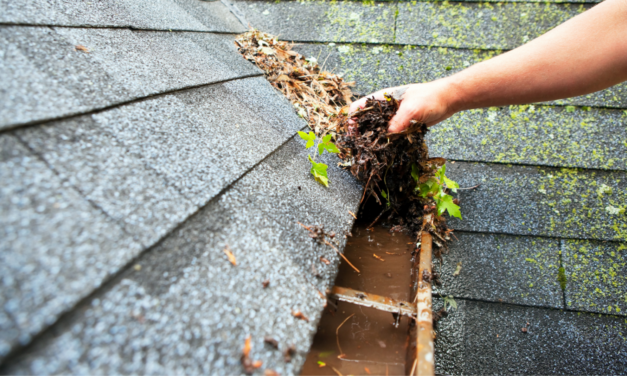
[{"x": 583, "y": 55}]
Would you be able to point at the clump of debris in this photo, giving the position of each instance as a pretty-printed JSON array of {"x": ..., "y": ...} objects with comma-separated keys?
[{"x": 395, "y": 168}]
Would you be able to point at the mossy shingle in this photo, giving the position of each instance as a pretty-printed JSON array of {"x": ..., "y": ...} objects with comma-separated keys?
[
  {"x": 502, "y": 268},
  {"x": 596, "y": 276},
  {"x": 330, "y": 21},
  {"x": 527, "y": 200},
  {"x": 537, "y": 135},
  {"x": 479, "y": 25}
]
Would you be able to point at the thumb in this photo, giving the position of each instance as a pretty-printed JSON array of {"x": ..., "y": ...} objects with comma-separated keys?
[{"x": 401, "y": 120}]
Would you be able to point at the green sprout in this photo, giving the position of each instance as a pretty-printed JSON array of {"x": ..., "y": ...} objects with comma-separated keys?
[
  {"x": 434, "y": 187},
  {"x": 319, "y": 170}
]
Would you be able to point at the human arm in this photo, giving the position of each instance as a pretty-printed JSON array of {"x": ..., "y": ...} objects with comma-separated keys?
[{"x": 583, "y": 55}]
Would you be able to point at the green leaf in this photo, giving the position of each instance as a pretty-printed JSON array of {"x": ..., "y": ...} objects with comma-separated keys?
[
  {"x": 446, "y": 203},
  {"x": 327, "y": 145},
  {"x": 415, "y": 172},
  {"x": 431, "y": 186},
  {"x": 331, "y": 148},
  {"x": 320, "y": 148},
  {"x": 310, "y": 138},
  {"x": 450, "y": 302},
  {"x": 319, "y": 172},
  {"x": 450, "y": 184},
  {"x": 385, "y": 195}
]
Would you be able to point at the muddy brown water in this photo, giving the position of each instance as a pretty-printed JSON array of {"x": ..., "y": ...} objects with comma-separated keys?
[{"x": 369, "y": 340}]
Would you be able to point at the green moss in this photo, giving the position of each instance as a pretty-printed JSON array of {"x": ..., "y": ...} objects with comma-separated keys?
[
  {"x": 358, "y": 22},
  {"x": 597, "y": 276},
  {"x": 479, "y": 25},
  {"x": 561, "y": 278}
]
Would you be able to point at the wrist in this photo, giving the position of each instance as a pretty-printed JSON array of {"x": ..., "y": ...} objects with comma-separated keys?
[{"x": 453, "y": 94}]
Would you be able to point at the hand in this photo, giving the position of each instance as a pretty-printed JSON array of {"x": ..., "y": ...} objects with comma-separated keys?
[{"x": 428, "y": 103}]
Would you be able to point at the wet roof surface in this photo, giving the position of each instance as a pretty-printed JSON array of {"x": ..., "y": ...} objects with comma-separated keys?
[
  {"x": 126, "y": 170},
  {"x": 541, "y": 241}
]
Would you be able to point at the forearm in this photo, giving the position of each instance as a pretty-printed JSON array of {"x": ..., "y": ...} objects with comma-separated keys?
[{"x": 586, "y": 54}]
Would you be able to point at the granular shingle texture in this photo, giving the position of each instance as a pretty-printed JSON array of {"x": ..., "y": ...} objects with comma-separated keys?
[
  {"x": 526, "y": 200},
  {"x": 479, "y": 25},
  {"x": 596, "y": 276},
  {"x": 189, "y": 310},
  {"x": 55, "y": 247},
  {"x": 45, "y": 77},
  {"x": 190, "y": 15},
  {"x": 487, "y": 338},
  {"x": 502, "y": 268},
  {"x": 341, "y": 21}
]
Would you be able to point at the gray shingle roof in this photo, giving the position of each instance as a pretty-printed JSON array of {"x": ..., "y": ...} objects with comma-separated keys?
[
  {"x": 156, "y": 148},
  {"x": 539, "y": 241}
]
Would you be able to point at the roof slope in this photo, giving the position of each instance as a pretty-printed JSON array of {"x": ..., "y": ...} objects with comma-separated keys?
[
  {"x": 539, "y": 242},
  {"x": 126, "y": 170}
]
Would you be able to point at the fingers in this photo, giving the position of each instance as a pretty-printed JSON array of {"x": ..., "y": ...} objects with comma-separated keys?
[
  {"x": 361, "y": 102},
  {"x": 401, "y": 120}
]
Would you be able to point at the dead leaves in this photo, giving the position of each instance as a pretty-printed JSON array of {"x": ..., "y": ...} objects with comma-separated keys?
[
  {"x": 247, "y": 363},
  {"x": 81, "y": 48},
  {"x": 299, "y": 315},
  {"x": 229, "y": 254},
  {"x": 317, "y": 96}
]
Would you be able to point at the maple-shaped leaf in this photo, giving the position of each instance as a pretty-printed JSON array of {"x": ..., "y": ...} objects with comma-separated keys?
[
  {"x": 446, "y": 203},
  {"x": 430, "y": 187},
  {"x": 310, "y": 138},
  {"x": 319, "y": 172},
  {"x": 450, "y": 184},
  {"x": 327, "y": 145}
]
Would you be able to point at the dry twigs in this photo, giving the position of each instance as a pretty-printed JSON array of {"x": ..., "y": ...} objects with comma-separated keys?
[
  {"x": 317, "y": 233},
  {"x": 317, "y": 96}
]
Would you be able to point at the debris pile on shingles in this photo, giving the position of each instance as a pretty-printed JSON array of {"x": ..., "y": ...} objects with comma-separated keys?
[
  {"x": 318, "y": 96},
  {"x": 383, "y": 162},
  {"x": 391, "y": 165}
]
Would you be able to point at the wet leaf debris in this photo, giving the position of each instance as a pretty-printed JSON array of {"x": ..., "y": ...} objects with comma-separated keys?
[{"x": 397, "y": 170}]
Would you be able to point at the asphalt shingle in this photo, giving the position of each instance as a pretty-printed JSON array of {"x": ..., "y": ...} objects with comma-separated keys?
[
  {"x": 331, "y": 21},
  {"x": 55, "y": 247},
  {"x": 190, "y": 15},
  {"x": 526, "y": 200},
  {"x": 487, "y": 338},
  {"x": 502, "y": 268},
  {"x": 375, "y": 67},
  {"x": 595, "y": 275},
  {"x": 45, "y": 77},
  {"x": 189, "y": 310},
  {"x": 106, "y": 173},
  {"x": 479, "y": 25}
]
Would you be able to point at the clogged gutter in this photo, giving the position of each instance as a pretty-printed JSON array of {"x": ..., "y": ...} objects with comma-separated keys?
[{"x": 411, "y": 188}]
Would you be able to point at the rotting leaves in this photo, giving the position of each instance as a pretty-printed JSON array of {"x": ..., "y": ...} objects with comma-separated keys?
[
  {"x": 229, "y": 255},
  {"x": 248, "y": 364},
  {"x": 395, "y": 168}
]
